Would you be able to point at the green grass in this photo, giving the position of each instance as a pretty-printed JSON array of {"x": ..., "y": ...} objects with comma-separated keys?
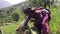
[
  {"x": 10, "y": 29},
  {"x": 54, "y": 23}
]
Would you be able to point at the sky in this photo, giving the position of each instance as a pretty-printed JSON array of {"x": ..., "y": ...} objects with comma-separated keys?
[
  {"x": 15, "y": 1},
  {"x": 7, "y": 3}
]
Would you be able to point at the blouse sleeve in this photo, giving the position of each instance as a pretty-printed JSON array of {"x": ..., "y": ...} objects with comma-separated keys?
[{"x": 27, "y": 20}]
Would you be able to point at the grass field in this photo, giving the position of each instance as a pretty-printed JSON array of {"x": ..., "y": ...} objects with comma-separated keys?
[{"x": 54, "y": 23}]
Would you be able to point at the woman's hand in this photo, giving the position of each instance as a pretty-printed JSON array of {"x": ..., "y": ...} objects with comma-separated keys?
[{"x": 20, "y": 27}]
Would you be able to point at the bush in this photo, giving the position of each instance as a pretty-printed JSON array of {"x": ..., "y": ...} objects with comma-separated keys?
[{"x": 15, "y": 17}]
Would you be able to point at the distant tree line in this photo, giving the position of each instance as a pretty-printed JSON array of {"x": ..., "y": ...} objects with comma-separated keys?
[
  {"x": 9, "y": 15},
  {"x": 43, "y": 3}
]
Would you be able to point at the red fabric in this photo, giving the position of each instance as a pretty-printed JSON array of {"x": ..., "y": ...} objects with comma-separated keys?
[{"x": 43, "y": 25}]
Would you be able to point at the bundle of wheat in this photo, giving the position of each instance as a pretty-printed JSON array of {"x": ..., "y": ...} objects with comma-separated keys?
[{"x": 24, "y": 30}]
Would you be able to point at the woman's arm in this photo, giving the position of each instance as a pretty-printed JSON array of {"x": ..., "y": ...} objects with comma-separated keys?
[
  {"x": 45, "y": 19},
  {"x": 24, "y": 24},
  {"x": 27, "y": 20}
]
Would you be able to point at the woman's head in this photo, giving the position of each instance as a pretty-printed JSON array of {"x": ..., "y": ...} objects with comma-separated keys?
[{"x": 28, "y": 11}]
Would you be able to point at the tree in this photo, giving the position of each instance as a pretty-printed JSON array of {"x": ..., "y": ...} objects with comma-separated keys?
[
  {"x": 47, "y": 3},
  {"x": 38, "y": 3},
  {"x": 15, "y": 16}
]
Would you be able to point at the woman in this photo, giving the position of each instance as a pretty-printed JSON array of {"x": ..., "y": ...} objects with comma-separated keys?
[{"x": 42, "y": 18}]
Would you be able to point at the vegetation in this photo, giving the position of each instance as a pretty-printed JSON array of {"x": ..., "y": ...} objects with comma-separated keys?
[
  {"x": 11, "y": 18},
  {"x": 38, "y": 3},
  {"x": 54, "y": 23},
  {"x": 44, "y": 3}
]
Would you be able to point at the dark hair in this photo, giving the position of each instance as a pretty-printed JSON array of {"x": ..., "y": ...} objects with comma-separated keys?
[{"x": 27, "y": 11}]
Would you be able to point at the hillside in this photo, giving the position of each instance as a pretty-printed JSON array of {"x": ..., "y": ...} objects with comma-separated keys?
[
  {"x": 54, "y": 23},
  {"x": 7, "y": 14}
]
